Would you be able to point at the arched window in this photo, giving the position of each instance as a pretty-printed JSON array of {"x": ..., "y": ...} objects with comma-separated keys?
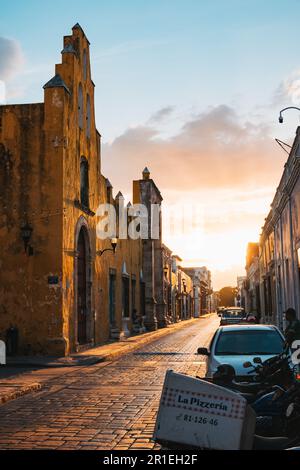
[
  {"x": 88, "y": 116},
  {"x": 84, "y": 182},
  {"x": 80, "y": 106},
  {"x": 84, "y": 64}
]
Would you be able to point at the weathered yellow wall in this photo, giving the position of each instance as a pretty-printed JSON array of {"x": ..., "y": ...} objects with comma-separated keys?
[{"x": 26, "y": 195}]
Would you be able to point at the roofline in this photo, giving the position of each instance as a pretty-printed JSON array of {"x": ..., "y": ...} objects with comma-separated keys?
[
  {"x": 21, "y": 104},
  {"x": 78, "y": 26},
  {"x": 177, "y": 257}
]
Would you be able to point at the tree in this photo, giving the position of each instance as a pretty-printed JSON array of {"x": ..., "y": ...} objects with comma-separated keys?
[{"x": 227, "y": 296}]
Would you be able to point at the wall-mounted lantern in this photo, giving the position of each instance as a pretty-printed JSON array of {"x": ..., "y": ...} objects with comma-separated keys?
[
  {"x": 26, "y": 232},
  {"x": 114, "y": 243},
  {"x": 184, "y": 284}
]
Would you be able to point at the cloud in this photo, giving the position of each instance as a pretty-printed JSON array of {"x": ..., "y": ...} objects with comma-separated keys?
[
  {"x": 213, "y": 149},
  {"x": 11, "y": 58},
  {"x": 161, "y": 114},
  {"x": 217, "y": 176},
  {"x": 288, "y": 90}
]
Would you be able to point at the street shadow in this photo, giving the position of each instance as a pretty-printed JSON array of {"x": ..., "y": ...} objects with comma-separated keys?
[{"x": 162, "y": 354}]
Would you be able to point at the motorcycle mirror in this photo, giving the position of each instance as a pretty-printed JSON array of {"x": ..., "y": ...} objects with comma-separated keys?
[
  {"x": 257, "y": 360},
  {"x": 290, "y": 410},
  {"x": 247, "y": 365}
]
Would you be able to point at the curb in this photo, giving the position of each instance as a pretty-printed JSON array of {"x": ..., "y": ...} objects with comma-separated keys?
[
  {"x": 22, "y": 390},
  {"x": 55, "y": 365},
  {"x": 153, "y": 336}
]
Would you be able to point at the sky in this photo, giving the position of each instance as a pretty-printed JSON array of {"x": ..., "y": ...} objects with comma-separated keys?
[{"x": 191, "y": 89}]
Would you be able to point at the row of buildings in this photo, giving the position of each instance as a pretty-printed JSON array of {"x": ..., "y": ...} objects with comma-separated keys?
[
  {"x": 272, "y": 282},
  {"x": 62, "y": 288}
]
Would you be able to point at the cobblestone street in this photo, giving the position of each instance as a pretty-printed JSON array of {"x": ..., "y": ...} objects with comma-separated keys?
[{"x": 111, "y": 405}]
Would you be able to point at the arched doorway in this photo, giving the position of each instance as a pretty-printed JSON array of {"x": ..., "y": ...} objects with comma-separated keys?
[{"x": 83, "y": 286}]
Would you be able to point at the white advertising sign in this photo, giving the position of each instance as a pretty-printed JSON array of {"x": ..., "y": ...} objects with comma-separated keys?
[{"x": 203, "y": 415}]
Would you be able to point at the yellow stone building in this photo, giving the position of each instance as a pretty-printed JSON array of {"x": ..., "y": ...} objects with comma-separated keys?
[
  {"x": 54, "y": 288},
  {"x": 58, "y": 292}
]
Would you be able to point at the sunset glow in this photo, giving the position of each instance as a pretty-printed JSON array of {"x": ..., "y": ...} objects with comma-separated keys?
[
  {"x": 205, "y": 129},
  {"x": 215, "y": 230}
]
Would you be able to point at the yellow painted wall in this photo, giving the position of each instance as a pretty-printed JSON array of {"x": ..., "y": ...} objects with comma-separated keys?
[{"x": 26, "y": 195}]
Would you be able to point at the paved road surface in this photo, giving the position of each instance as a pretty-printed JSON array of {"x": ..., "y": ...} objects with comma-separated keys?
[{"x": 104, "y": 406}]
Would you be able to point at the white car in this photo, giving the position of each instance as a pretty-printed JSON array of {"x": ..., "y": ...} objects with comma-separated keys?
[{"x": 237, "y": 344}]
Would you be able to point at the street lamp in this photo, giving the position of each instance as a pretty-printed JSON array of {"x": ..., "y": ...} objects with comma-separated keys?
[
  {"x": 280, "y": 119},
  {"x": 113, "y": 242}
]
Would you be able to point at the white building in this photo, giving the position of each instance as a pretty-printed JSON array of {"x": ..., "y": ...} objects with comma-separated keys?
[
  {"x": 280, "y": 245},
  {"x": 203, "y": 293}
]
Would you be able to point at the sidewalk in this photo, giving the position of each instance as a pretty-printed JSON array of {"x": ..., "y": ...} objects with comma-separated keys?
[{"x": 22, "y": 382}]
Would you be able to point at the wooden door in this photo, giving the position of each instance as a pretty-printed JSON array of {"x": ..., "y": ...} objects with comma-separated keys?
[{"x": 81, "y": 289}]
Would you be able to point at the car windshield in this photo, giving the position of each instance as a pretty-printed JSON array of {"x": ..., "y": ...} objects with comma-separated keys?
[
  {"x": 249, "y": 342},
  {"x": 232, "y": 314}
]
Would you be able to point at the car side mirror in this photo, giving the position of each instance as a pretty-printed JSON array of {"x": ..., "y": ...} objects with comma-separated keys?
[
  {"x": 203, "y": 351},
  {"x": 247, "y": 365},
  {"x": 257, "y": 360}
]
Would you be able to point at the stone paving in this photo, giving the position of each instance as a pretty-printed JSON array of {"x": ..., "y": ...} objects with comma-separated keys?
[
  {"x": 110, "y": 405},
  {"x": 24, "y": 374}
]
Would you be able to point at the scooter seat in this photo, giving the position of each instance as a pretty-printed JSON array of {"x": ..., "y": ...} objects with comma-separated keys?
[
  {"x": 245, "y": 387},
  {"x": 250, "y": 397},
  {"x": 270, "y": 443}
]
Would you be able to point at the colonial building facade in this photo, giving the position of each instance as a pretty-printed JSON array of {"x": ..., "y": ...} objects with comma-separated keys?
[
  {"x": 204, "y": 301},
  {"x": 60, "y": 292},
  {"x": 279, "y": 247}
]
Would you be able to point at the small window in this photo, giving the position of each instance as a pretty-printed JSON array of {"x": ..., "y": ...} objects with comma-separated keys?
[
  {"x": 108, "y": 194},
  {"x": 80, "y": 106},
  {"x": 133, "y": 300},
  {"x": 112, "y": 299},
  {"x": 84, "y": 182},
  {"x": 84, "y": 64},
  {"x": 125, "y": 296},
  {"x": 88, "y": 116},
  {"x": 142, "y": 298}
]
